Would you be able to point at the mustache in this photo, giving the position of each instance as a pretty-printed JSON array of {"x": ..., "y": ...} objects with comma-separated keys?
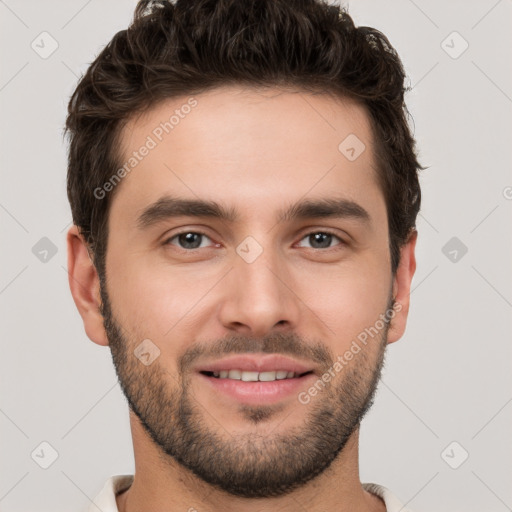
[{"x": 289, "y": 344}]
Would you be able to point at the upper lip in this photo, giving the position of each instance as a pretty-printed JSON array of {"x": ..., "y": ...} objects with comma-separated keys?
[{"x": 267, "y": 363}]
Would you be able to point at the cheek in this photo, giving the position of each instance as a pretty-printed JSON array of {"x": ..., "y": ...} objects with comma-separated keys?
[
  {"x": 151, "y": 305},
  {"x": 157, "y": 302},
  {"x": 348, "y": 300},
  {"x": 144, "y": 300}
]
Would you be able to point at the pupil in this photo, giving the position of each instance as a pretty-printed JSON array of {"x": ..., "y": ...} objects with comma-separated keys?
[
  {"x": 187, "y": 239},
  {"x": 319, "y": 237}
]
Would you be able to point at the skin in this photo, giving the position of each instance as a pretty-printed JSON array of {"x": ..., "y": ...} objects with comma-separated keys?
[{"x": 255, "y": 151}]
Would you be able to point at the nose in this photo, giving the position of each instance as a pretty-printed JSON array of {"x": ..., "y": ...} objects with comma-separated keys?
[{"x": 259, "y": 298}]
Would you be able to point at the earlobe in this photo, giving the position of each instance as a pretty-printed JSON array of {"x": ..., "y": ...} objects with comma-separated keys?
[
  {"x": 85, "y": 286},
  {"x": 402, "y": 288}
]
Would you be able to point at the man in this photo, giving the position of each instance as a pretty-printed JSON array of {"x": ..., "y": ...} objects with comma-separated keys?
[{"x": 244, "y": 189}]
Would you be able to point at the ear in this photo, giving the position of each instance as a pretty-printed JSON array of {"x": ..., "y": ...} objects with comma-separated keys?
[
  {"x": 84, "y": 283},
  {"x": 402, "y": 288}
]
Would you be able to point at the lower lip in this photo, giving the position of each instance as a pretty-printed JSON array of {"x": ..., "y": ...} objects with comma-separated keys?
[{"x": 258, "y": 392}]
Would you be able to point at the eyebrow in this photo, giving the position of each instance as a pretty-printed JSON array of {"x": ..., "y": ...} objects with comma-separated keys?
[{"x": 168, "y": 207}]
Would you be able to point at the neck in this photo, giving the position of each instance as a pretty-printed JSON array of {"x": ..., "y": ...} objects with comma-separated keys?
[{"x": 161, "y": 485}]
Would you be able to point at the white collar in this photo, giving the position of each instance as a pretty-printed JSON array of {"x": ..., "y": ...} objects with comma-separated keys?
[{"x": 106, "y": 499}]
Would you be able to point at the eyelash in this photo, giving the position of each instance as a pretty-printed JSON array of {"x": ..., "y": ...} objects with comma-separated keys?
[{"x": 324, "y": 232}]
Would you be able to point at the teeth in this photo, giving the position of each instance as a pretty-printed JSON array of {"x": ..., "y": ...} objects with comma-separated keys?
[
  {"x": 254, "y": 376},
  {"x": 250, "y": 376},
  {"x": 267, "y": 376}
]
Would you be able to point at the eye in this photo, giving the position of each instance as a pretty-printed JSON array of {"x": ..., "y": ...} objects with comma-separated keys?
[
  {"x": 188, "y": 240},
  {"x": 321, "y": 239}
]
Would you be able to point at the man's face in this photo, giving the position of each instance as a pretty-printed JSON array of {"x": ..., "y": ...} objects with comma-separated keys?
[{"x": 205, "y": 290}]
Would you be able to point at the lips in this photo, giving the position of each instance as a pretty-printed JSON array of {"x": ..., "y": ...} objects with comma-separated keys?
[
  {"x": 256, "y": 379},
  {"x": 256, "y": 364}
]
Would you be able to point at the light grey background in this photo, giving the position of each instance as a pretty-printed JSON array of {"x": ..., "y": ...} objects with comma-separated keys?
[{"x": 447, "y": 380}]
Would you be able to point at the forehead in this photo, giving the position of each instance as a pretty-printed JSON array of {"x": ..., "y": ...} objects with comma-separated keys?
[
  {"x": 259, "y": 147},
  {"x": 273, "y": 119}
]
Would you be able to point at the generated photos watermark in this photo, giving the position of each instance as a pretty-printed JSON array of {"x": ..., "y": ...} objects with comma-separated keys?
[{"x": 369, "y": 333}]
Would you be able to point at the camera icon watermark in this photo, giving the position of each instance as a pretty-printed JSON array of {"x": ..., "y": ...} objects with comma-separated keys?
[
  {"x": 146, "y": 352},
  {"x": 44, "y": 455},
  {"x": 249, "y": 249},
  {"x": 454, "y": 249},
  {"x": 455, "y": 455},
  {"x": 352, "y": 147},
  {"x": 44, "y": 250},
  {"x": 454, "y": 45},
  {"x": 44, "y": 45}
]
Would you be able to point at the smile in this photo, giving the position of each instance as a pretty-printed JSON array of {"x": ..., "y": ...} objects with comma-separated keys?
[{"x": 248, "y": 376}]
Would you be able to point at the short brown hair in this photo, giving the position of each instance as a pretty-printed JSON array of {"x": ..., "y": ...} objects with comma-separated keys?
[{"x": 185, "y": 47}]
